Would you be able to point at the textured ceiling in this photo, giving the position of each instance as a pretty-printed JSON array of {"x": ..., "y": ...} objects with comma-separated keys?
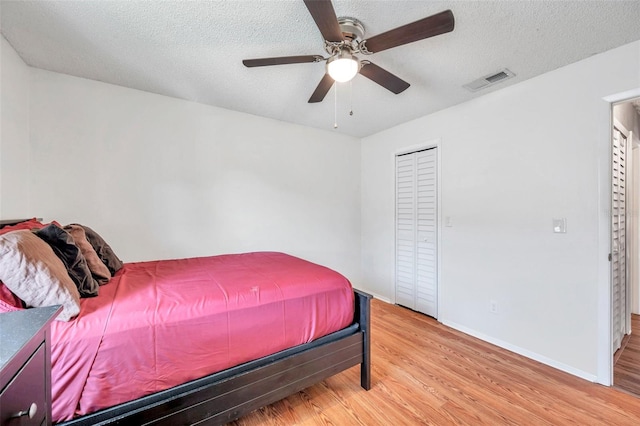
[{"x": 193, "y": 50}]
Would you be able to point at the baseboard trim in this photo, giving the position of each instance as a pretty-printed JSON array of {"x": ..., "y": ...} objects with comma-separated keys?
[{"x": 524, "y": 352}]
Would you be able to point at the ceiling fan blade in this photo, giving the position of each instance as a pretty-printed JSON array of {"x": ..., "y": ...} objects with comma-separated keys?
[
  {"x": 283, "y": 60},
  {"x": 322, "y": 89},
  {"x": 434, "y": 25},
  {"x": 383, "y": 77},
  {"x": 325, "y": 16}
]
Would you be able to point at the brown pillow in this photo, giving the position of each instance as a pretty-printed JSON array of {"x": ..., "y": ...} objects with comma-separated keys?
[
  {"x": 98, "y": 269},
  {"x": 32, "y": 271},
  {"x": 68, "y": 252},
  {"x": 103, "y": 250}
]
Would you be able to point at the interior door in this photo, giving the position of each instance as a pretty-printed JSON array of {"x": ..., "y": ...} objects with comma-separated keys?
[
  {"x": 416, "y": 231},
  {"x": 405, "y": 230},
  {"x": 619, "y": 236}
]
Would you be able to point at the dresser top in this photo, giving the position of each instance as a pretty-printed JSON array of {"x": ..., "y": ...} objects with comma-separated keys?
[{"x": 19, "y": 327}]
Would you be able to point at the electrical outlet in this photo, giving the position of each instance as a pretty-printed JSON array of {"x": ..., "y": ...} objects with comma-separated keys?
[{"x": 493, "y": 306}]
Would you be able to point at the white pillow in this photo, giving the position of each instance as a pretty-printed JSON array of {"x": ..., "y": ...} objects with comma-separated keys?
[{"x": 32, "y": 271}]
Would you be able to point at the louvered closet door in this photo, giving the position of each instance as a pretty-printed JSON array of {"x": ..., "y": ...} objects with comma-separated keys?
[
  {"x": 618, "y": 237},
  {"x": 416, "y": 231}
]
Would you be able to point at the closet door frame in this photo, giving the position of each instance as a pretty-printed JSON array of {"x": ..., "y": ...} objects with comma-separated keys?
[{"x": 434, "y": 143}]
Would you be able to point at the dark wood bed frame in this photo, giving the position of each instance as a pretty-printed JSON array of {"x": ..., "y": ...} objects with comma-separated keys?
[{"x": 225, "y": 396}]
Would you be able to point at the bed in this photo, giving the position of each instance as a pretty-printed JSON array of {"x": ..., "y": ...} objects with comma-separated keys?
[{"x": 222, "y": 381}]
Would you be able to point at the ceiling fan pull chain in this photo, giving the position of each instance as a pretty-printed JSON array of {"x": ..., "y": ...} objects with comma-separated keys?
[
  {"x": 351, "y": 97},
  {"x": 335, "y": 106}
]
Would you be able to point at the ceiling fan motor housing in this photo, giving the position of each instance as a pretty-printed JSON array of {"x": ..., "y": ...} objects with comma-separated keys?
[
  {"x": 351, "y": 28},
  {"x": 353, "y": 32}
]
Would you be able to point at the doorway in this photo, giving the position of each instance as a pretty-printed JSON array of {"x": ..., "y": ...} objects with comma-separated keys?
[{"x": 625, "y": 245}]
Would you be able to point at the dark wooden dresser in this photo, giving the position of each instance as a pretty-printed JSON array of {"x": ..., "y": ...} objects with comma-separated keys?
[{"x": 25, "y": 367}]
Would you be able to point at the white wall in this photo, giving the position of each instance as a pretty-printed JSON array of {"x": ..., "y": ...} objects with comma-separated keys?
[
  {"x": 164, "y": 178},
  {"x": 14, "y": 134},
  {"x": 161, "y": 178},
  {"x": 511, "y": 162}
]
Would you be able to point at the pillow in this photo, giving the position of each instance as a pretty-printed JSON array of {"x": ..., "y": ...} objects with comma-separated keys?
[
  {"x": 27, "y": 224},
  {"x": 63, "y": 246},
  {"x": 9, "y": 301},
  {"x": 98, "y": 269},
  {"x": 103, "y": 250},
  {"x": 31, "y": 270}
]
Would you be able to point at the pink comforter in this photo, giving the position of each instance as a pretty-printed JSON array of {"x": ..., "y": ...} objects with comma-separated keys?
[{"x": 159, "y": 324}]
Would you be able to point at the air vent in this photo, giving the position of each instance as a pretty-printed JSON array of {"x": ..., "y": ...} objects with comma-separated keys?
[{"x": 489, "y": 80}]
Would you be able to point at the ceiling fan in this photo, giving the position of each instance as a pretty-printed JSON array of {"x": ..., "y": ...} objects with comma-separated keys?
[{"x": 344, "y": 39}]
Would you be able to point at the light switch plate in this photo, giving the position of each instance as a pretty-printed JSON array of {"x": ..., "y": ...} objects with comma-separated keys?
[{"x": 560, "y": 226}]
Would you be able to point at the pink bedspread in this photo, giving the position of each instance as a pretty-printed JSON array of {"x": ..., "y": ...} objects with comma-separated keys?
[{"x": 159, "y": 324}]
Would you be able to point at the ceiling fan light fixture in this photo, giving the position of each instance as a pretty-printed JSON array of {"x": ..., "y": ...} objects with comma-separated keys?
[{"x": 343, "y": 66}]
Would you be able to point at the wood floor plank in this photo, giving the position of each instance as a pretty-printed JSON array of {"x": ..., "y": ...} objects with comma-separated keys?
[
  {"x": 626, "y": 372},
  {"x": 426, "y": 373}
]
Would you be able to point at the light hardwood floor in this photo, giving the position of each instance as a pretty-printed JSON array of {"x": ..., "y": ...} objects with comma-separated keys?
[
  {"x": 426, "y": 373},
  {"x": 626, "y": 372}
]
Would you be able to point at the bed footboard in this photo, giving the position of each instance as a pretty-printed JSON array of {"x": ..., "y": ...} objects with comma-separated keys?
[
  {"x": 228, "y": 395},
  {"x": 363, "y": 316}
]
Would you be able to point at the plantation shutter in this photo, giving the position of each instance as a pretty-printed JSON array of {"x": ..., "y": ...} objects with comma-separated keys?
[{"x": 416, "y": 231}]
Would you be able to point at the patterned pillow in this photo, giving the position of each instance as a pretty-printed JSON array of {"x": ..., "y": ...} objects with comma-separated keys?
[{"x": 32, "y": 271}]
